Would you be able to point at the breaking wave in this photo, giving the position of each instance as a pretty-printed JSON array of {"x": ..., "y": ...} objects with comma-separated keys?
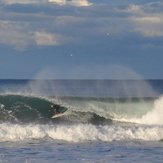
[
  {"x": 28, "y": 109},
  {"x": 21, "y": 108},
  {"x": 84, "y": 119}
]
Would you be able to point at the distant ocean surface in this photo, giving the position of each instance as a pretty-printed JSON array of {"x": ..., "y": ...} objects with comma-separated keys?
[{"x": 104, "y": 121}]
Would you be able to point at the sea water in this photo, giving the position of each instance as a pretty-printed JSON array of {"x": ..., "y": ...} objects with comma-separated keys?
[{"x": 106, "y": 121}]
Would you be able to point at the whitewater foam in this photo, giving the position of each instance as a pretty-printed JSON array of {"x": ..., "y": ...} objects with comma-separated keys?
[
  {"x": 152, "y": 117},
  {"x": 79, "y": 133},
  {"x": 156, "y": 115}
]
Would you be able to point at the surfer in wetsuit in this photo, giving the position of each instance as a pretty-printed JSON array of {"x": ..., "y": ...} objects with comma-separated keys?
[{"x": 56, "y": 109}]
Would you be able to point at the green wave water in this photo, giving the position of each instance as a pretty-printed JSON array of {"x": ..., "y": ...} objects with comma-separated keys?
[{"x": 27, "y": 108}]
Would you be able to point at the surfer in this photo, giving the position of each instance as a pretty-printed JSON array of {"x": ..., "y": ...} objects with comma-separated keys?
[
  {"x": 55, "y": 109},
  {"x": 58, "y": 110}
]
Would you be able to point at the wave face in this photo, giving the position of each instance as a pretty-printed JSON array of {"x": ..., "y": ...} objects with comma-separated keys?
[
  {"x": 20, "y": 108},
  {"x": 84, "y": 119}
]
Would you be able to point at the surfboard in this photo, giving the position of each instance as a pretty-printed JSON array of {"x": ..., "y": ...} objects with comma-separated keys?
[{"x": 58, "y": 115}]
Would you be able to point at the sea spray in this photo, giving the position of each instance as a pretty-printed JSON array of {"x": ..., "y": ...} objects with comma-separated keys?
[{"x": 155, "y": 116}]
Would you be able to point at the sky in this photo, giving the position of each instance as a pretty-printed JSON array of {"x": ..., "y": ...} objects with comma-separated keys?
[{"x": 81, "y": 39}]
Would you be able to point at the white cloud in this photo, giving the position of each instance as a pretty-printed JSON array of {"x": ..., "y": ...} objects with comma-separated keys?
[
  {"x": 21, "y": 35},
  {"x": 60, "y": 2},
  {"x": 47, "y": 39},
  {"x": 13, "y": 34},
  {"x": 134, "y": 9},
  {"x": 147, "y": 20},
  {"x": 78, "y": 3},
  {"x": 9, "y": 2},
  {"x": 149, "y": 26},
  {"x": 72, "y": 2}
]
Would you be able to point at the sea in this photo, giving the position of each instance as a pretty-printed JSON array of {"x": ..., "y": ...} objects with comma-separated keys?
[{"x": 100, "y": 121}]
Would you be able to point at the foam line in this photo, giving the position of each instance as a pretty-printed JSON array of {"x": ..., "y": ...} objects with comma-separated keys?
[{"x": 79, "y": 133}]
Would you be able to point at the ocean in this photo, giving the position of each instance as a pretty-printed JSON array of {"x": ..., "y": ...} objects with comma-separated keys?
[{"x": 81, "y": 121}]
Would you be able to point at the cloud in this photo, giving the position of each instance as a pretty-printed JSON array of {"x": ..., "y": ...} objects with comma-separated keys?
[
  {"x": 12, "y": 34},
  {"x": 149, "y": 26},
  {"x": 21, "y": 35},
  {"x": 147, "y": 19},
  {"x": 28, "y": 25},
  {"x": 131, "y": 9},
  {"x": 34, "y": 29},
  {"x": 47, "y": 39},
  {"x": 9, "y": 2},
  {"x": 78, "y": 3},
  {"x": 72, "y": 2}
]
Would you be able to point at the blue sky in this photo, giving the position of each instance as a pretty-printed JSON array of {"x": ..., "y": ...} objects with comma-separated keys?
[{"x": 81, "y": 39}]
